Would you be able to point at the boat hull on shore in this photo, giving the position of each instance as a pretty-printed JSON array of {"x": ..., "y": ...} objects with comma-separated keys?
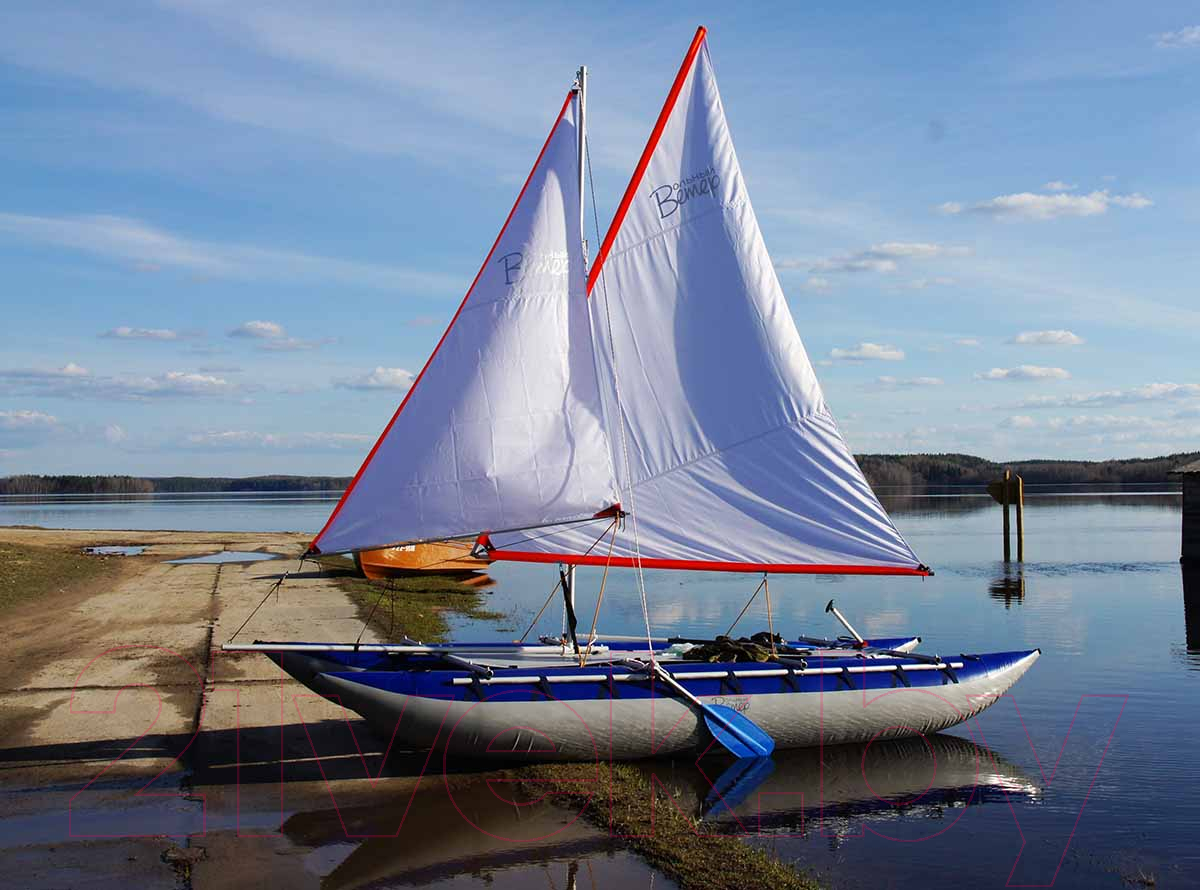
[
  {"x": 437, "y": 558},
  {"x": 617, "y": 712}
]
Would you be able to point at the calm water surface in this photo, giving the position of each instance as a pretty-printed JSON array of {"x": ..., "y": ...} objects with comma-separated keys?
[{"x": 1105, "y": 724}]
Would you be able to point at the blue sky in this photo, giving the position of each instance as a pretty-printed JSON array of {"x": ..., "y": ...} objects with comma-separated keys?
[{"x": 231, "y": 231}]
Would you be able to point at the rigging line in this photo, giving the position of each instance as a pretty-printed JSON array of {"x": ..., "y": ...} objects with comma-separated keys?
[
  {"x": 273, "y": 589},
  {"x": 770, "y": 621},
  {"x": 390, "y": 589},
  {"x": 600, "y": 597},
  {"x": 637, "y": 544},
  {"x": 553, "y": 591},
  {"x": 559, "y": 584},
  {"x": 554, "y": 531},
  {"x": 747, "y": 606}
]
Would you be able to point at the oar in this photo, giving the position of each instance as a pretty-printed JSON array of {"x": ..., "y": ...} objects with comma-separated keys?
[{"x": 737, "y": 733}]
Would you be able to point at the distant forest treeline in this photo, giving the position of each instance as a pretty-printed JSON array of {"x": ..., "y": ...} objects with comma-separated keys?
[
  {"x": 918, "y": 470},
  {"x": 882, "y": 470},
  {"x": 136, "y": 485}
]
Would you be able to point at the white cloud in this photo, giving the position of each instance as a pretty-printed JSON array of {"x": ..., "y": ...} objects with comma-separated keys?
[
  {"x": 259, "y": 330},
  {"x": 25, "y": 420},
  {"x": 380, "y": 378},
  {"x": 1024, "y": 372},
  {"x": 1020, "y": 422},
  {"x": 135, "y": 242},
  {"x": 1057, "y": 185},
  {"x": 127, "y": 333},
  {"x": 908, "y": 381},
  {"x": 1047, "y": 338},
  {"x": 24, "y": 428},
  {"x": 115, "y": 434},
  {"x": 1031, "y": 206},
  {"x": 868, "y": 352},
  {"x": 274, "y": 338},
  {"x": 1149, "y": 392},
  {"x": 885, "y": 257},
  {"x": 239, "y": 440},
  {"x": 816, "y": 282},
  {"x": 73, "y": 381},
  {"x": 1181, "y": 39},
  {"x": 967, "y": 341}
]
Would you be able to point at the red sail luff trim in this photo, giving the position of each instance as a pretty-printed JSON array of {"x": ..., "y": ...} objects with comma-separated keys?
[
  {"x": 651, "y": 144},
  {"x": 312, "y": 547},
  {"x": 698, "y": 565}
]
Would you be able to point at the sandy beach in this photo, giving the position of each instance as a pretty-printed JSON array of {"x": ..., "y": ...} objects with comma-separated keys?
[{"x": 133, "y": 751}]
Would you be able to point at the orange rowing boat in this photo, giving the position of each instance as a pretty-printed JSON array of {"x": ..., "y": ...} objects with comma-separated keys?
[{"x": 438, "y": 558}]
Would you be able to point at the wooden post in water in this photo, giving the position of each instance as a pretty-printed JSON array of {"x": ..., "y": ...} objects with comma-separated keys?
[
  {"x": 1004, "y": 501},
  {"x": 1020, "y": 519}
]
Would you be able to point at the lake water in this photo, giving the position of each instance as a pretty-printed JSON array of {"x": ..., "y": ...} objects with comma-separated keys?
[{"x": 1086, "y": 776}]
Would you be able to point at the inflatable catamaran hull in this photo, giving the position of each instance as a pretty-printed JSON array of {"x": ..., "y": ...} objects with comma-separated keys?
[{"x": 607, "y": 712}]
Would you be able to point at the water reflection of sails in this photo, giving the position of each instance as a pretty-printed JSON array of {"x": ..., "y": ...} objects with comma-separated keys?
[
  {"x": 476, "y": 825},
  {"x": 910, "y": 776}
]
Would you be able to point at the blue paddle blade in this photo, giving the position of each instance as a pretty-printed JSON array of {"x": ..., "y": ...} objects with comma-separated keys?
[
  {"x": 737, "y": 733},
  {"x": 738, "y": 782}
]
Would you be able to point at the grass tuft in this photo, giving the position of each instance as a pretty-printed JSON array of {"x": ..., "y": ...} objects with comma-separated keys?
[
  {"x": 673, "y": 842},
  {"x": 417, "y": 606}
]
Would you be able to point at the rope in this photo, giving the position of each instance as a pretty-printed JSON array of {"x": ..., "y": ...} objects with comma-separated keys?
[
  {"x": 274, "y": 589},
  {"x": 760, "y": 586},
  {"x": 637, "y": 544},
  {"x": 391, "y": 588},
  {"x": 770, "y": 621},
  {"x": 554, "y": 590},
  {"x": 600, "y": 598}
]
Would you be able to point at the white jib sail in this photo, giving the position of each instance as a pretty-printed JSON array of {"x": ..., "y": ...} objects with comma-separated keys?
[
  {"x": 735, "y": 460},
  {"x": 502, "y": 427}
]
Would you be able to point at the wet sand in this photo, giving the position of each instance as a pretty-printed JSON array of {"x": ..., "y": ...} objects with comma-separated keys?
[{"x": 132, "y": 751}]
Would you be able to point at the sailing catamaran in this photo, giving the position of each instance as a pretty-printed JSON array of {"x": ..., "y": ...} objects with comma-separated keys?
[{"x": 654, "y": 409}]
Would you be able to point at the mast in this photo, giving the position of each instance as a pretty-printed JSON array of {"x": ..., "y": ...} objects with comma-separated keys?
[{"x": 581, "y": 93}]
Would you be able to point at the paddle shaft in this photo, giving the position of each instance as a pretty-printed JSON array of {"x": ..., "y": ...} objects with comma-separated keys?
[{"x": 709, "y": 713}]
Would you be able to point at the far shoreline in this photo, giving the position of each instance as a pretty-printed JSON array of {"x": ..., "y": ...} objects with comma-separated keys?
[{"x": 883, "y": 472}]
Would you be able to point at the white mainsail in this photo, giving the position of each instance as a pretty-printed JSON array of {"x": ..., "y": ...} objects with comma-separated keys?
[
  {"x": 735, "y": 462},
  {"x": 502, "y": 428}
]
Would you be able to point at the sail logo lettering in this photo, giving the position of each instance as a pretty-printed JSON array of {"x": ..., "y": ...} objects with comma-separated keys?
[
  {"x": 516, "y": 266},
  {"x": 670, "y": 198}
]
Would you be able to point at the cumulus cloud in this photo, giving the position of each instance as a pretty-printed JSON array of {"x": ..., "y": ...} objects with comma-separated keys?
[
  {"x": 244, "y": 440},
  {"x": 274, "y": 337},
  {"x": 1149, "y": 392},
  {"x": 897, "y": 382},
  {"x": 259, "y": 330},
  {"x": 885, "y": 257},
  {"x": 73, "y": 381},
  {"x": 1024, "y": 372},
  {"x": 1057, "y": 185},
  {"x": 966, "y": 341},
  {"x": 1020, "y": 422},
  {"x": 816, "y": 282},
  {"x": 1032, "y": 206},
  {"x": 865, "y": 352},
  {"x": 1184, "y": 38},
  {"x": 25, "y": 428},
  {"x": 127, "y": 333},
  {"x": 380, "y": 378},
  {"x": 1047, "y": 338}
]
